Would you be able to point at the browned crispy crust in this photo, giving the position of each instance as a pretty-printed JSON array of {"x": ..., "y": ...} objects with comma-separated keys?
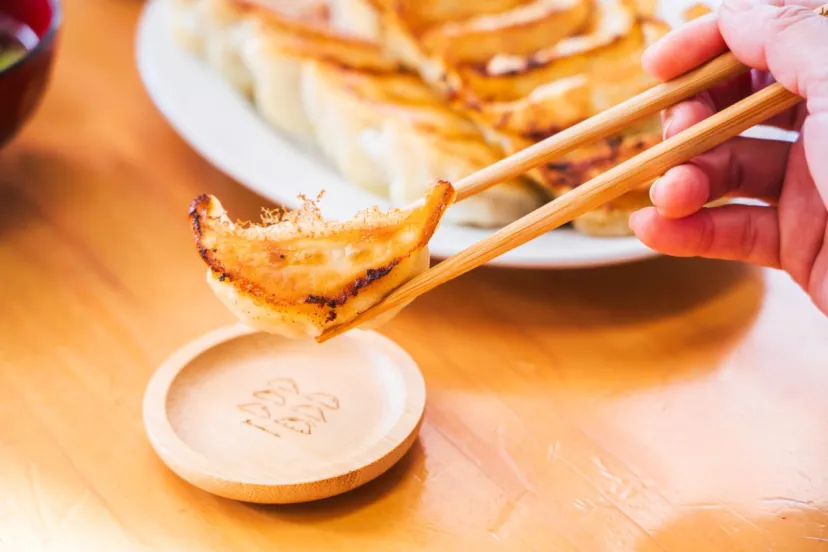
[
  {"x": 589, "y": 161},
  {"x": 198, "y": 214},
  {"x": 490, "y": 101},
  {"x": 581, "y": 165}
]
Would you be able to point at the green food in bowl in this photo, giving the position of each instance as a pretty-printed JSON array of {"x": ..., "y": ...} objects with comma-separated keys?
[{"x": 11, "y": 54}]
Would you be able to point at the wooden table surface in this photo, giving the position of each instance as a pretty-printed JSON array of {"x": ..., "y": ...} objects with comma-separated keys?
[{"x": 670, "y": 405}]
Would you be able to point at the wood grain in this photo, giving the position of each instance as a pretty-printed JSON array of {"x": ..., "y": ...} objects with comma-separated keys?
[
  {"x": 670, "y": 405},
  {"x": 256, "y": 417}
]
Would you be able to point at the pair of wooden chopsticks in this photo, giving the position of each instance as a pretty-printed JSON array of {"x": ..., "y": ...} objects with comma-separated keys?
[{"x": 613, "y": 183}]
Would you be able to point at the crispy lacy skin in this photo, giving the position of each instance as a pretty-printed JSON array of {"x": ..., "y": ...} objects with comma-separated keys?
[{"x": 296, "y": 274}]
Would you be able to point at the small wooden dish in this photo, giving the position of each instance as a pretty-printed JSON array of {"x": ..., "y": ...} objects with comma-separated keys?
[{"x": 258, "y": 418}]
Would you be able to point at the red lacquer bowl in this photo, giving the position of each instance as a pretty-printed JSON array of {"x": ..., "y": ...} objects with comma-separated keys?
[{"x": 22, "y": 83}]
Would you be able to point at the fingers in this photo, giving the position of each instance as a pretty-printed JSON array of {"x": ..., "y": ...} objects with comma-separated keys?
[
  {"x": 736, "y": 89},
  {"x": 790, "y": 41},
  {"x": 732, "y": 232},
  {"x": 803, "y": 219},
  {"x": 682, "y": 116},
  {"x": 787, "y": 39},
  {"x": 684, "y": 48},
  {"x": 815, "y": 138},
  {"x": 741, "y": 167},
  {"x": 682, "y": 191},
  {"x": 686, "y": 114}
]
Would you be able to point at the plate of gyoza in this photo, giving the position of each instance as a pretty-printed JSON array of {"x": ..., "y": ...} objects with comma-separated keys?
[{"x": 370, "y": 101}]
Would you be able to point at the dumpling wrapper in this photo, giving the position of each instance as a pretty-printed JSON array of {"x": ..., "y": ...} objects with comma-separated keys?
[
  {"x": 413, "y": 156},
  {"x": 297, "y": 274}
]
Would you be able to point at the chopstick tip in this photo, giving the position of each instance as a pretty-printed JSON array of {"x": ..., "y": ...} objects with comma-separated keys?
[{"x": 330, "y": 333}]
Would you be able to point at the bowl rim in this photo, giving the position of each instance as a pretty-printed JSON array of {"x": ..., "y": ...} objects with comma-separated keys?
[{"x": 48, "y": 37}]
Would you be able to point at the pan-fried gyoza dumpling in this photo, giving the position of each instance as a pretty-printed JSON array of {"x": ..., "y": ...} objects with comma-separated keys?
[
  {"x": 542, "y": 83},
  {"x": 185, "y": 18},
  {"x": 391, "y": 134},
  {"x": 226, "y": 29},
  {"x": 275, "y": 53},
  {"x": 345, "y": 105},
  {"x": 297, "y": 274},
  {"x": 568, "y": 82},
  {"x": 443, "y": 33},
  {"x": 585, "y": 163},
  {"x": 259, "y": 48},
  {"x": 413, "y": 156},
  {"x": 357, "y": 18},
  {"x": 520, "y": 30},
  {"x": 218, "y": 30},
  {"x": 526, "y": 100},
  {"x": 332, "y": 87},
  {"x": 520, "y": 95}
]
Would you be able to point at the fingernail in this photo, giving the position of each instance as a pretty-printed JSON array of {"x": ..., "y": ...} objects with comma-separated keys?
[
  {"x": 635, "y": 215},
  {"x": 654, "y": 191},
  {"x": 668, "y": 121}
]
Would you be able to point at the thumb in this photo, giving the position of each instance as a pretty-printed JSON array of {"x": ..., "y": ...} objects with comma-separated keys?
[{"x": 791, "y": 42}]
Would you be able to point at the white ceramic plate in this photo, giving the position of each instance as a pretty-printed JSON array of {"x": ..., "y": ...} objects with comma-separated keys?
[{"x": 226, "y": 130}]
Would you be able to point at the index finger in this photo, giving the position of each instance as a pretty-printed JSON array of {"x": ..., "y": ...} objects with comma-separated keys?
[{"x": 684, "y": 48}]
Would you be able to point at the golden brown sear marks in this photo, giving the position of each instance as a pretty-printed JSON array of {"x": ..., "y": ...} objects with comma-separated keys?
[{"x": 296, "y": 273}]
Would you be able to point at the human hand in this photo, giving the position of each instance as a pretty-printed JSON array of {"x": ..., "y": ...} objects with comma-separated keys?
[{"x": 782, "y": 41}]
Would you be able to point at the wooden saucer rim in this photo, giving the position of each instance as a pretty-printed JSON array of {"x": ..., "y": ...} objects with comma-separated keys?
[{"x": 200, "y": 471}]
